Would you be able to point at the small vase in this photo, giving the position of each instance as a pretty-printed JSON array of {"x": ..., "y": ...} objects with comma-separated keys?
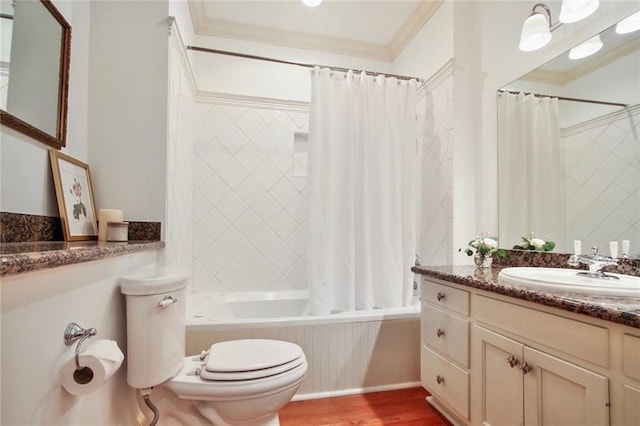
[{"x": 483, "y": 261}]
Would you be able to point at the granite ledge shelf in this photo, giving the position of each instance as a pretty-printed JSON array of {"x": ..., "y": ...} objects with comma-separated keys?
[
  {"x": 18, "y": 258},
  {"x": 621, "y": 310}
]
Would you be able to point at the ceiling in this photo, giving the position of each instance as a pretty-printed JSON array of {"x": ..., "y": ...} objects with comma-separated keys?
[{"x": 377, "y": 29}]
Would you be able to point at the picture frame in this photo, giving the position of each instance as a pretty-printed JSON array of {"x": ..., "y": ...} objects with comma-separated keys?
[{"x": 74, "y": 194}]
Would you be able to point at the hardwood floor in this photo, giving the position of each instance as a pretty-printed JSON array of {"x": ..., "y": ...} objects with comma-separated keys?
[{"x": 406, "y": 407}]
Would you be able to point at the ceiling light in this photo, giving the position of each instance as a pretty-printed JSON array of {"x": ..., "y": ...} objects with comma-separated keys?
[
  {"x": 587, "y": 48},
  {"x": 311, "y": 3},
  {"x": 536, "y": 30},
  {"x": 576, "y": 10},
  {"x": 629, "y": 24}
]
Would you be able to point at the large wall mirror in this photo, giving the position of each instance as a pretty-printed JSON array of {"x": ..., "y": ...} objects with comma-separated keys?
[
  {"x": 569, "y": 166},
  {"x": 34, "y": 69}
]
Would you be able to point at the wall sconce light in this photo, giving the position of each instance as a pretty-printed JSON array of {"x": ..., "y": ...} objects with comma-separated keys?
[
  {"x": 311, "y": 3},
  {"x": 629, "y": 24},
  {"x": 576, "y": 10},
  {"x": 536, "y": 30},
  {"x": 587, "y": 48}
]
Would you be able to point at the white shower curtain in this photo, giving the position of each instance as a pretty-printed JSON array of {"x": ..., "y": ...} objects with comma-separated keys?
[
  {"x": 362, "y": 191},
  {"x": 531, "y": 173}
]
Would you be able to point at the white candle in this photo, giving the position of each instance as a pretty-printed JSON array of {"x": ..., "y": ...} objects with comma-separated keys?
[
  {"x": 104, "y": 216},
  {"x": 613, "y": 249},
  {"x": 577, "y": 247},
  {"x": 625, "y": 247}
]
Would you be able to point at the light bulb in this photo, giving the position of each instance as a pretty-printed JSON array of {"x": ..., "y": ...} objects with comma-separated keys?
[
  {"x": 311, "y": 3},
  {"x": 535, "y": 33},
  {"x": 629, "y": 24},
  {"x": 576, "y": 10},
  {"x": 587, "y": 48}
]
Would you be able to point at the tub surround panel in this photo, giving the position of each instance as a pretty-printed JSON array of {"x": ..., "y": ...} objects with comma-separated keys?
[
  {"x": 616, "y": 309},
  {"x": 344, "y": 358},
  {"x": 17, "y": 258},
  {"x": 22, "y": 228}
]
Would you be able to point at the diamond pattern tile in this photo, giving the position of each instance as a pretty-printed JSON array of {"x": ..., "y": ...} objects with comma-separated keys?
[
  {"x": 602, "y": 186},
  {"x": 250, "y": 210}
]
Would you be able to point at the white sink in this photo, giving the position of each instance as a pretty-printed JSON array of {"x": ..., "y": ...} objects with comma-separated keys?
[{"x": 568, "y": 280}]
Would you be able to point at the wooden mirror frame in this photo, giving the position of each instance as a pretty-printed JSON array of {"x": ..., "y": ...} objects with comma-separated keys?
[{"x": 60, "y": 139}]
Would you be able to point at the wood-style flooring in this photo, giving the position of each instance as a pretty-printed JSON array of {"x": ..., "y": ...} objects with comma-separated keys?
[{"x": 406, "y": 407}]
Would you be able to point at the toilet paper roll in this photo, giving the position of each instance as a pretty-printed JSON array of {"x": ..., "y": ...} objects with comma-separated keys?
[{"x": 101, "y": 359}]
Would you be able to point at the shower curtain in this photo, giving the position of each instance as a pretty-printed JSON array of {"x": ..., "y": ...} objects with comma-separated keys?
[
  {"x": 362, "y": 192},
  {"x": 531, "y": 169}
]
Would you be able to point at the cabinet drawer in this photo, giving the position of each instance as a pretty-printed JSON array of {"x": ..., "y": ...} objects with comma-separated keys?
[
  {"x": 445, "y": 296},
  {"x": 446, "y": 333},
  {"x": 585, "y": 341},
  {"x": 453, "y": 389},
  {"x": 631, "y": 356}
]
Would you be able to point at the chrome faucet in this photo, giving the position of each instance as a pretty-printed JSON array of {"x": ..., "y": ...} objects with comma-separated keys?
[{"x": 596, "y": 263}]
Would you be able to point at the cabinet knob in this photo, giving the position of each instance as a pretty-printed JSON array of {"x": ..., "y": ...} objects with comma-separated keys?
[
  {"x": 439, "y": 379},
  {"x": 440, "y": 296},
  {"x": 513, "y": 361},
  {"x": 526, "y": 368},
  {"x": 440, "y": 332}
]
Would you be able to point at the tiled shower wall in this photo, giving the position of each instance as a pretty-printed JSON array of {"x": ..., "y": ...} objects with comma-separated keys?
[
  {"x": 436, "y": 215},
  {"x": 249, "y": 209},
  {"x": 603, "y": 171},
  {"x": 250, "y": 205}
]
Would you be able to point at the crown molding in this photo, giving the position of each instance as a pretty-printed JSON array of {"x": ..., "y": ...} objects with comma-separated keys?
[
  {"x": 251, "y": 101},
  {"x": 599, "y": 61},
  {"x": 623, "y": 113},
  {"x": 300, "y": 40},
  {"x": 416, "y": 21}
]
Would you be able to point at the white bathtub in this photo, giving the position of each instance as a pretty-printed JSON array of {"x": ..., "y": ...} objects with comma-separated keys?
[{"x": 349, "y": 352}]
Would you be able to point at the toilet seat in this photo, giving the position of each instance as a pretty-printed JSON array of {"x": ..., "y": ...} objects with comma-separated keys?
[{"x": 250, "y": 359}]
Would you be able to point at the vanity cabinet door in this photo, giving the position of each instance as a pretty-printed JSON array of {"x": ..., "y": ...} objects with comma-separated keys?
[
  {"x": 501, "y": 378},
  {"x": 557, "y": 392}
]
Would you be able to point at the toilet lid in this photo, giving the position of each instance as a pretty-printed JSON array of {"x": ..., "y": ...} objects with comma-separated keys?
[{"x": 250, "y": 359}]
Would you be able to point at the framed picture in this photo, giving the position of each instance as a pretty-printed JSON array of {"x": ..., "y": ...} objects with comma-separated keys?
[{"x": 75, "y": 197}]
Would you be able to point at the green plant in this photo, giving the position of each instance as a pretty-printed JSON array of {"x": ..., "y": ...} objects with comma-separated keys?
[
  {"x": 530, "y": 242},
  {"x": 484, "y": 246}
]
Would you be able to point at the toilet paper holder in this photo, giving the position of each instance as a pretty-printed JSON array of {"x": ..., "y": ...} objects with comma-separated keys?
[{"x": 73, "y": 333}]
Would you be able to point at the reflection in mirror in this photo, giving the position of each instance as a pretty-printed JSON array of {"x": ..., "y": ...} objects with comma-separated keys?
[
  {"x": 569, "y": 149},
  {"x": 34, "y": 64}
]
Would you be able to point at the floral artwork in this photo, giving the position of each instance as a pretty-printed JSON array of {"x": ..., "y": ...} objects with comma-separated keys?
[
  {"x": 75, "y": 197},
  {"x": 78, "y": 207}
]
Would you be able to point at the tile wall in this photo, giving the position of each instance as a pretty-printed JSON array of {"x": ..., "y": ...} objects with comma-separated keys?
[
  {"x": 603, "y": 172},
  {"x": 436, "y": 214},
  {"x": 249, "y": 206}
]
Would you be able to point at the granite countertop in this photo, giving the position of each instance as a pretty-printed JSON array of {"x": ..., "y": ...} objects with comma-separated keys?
[
  {"x": 17, "y": 258},
  {"x": 622, "y": 310}
]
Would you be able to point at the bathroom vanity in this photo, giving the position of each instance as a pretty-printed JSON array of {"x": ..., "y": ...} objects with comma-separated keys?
[{"x": 499, "y": 354}]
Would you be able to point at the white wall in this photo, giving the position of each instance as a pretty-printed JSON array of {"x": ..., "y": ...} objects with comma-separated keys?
[
  {"x": 36, "y": 308},
  {"x": 129, "y": 45}
]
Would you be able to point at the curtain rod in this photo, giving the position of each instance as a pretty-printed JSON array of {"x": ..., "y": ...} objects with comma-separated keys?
[
  {"x": 300, "y": 64},
  {"x": 562, "y": 98}
]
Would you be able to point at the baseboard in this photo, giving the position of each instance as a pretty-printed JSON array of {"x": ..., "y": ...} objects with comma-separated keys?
[{"x": 355, "y": 391}]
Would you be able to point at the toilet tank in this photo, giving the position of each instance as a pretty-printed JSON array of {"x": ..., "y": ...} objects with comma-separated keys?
[{"x": 155, "y": 300}]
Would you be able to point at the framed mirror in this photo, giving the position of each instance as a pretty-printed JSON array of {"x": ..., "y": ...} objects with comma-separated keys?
[
  {"x": 569, "y": 147},
  {"x": 34, "y": 70}
]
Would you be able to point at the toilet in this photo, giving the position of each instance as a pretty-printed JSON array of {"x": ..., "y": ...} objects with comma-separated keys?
[{"x": 238, "y": 382}]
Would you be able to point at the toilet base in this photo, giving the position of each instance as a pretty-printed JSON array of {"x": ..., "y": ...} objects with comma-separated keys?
[{"x": 208, "y": 412}]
